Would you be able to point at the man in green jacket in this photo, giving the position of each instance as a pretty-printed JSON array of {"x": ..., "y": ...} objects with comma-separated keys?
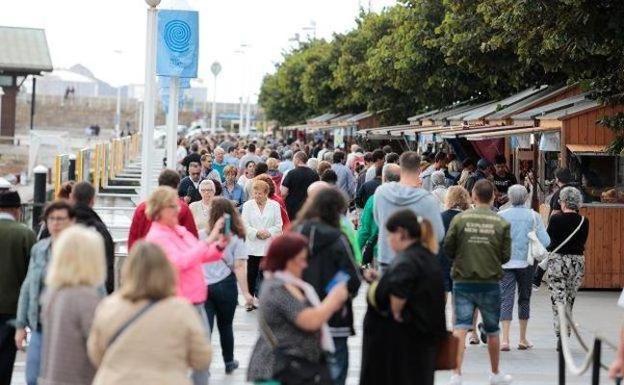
[
  {"x": 479, "y": 243},
  {"x": 16, "y": 240}
]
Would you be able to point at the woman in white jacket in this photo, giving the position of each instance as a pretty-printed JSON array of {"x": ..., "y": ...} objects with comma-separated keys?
[{"x": 263, "y": 221}]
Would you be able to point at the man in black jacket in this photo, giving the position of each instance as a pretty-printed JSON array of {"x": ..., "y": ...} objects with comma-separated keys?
[
  {"x": 83, "y": 196},
  {"x": 368, "y": 189},
  {"x": 189, "y": 186}
]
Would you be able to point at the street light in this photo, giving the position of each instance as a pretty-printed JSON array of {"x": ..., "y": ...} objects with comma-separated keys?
[
  {"x": 147, "y": 129},
  {"x": 215, "y": 68},
  {"x": 118, "y": 110},
  {"x": 242, "y": 51},
  {"x": 311, "y": 27}
]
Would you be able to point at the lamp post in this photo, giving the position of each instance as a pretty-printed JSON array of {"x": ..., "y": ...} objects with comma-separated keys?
[
  {"x": 149, "y": 100},
  {"x": 242, "y": 52},
  {"x": 118, "y": 109},
  {"x": 215, "y": 68}
]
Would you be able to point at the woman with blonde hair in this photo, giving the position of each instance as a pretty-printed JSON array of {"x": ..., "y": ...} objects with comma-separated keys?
[
  {"x": 122, "y": 343},
  {"x": 186, "y": 253},
  {"x": 263, "y": 221},
  {"x": 76, "y": 271}
]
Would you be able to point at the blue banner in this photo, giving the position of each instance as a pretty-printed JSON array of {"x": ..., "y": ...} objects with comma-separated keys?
[{"x": 178, "y": 43}]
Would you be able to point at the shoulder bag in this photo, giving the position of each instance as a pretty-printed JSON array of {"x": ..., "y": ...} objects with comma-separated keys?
[
  {"x": 290, "y": 369},
  {"x": 129, "y": 322},
  {"x": 544, "y": 264},
  {"x": 537, "y": 251}
]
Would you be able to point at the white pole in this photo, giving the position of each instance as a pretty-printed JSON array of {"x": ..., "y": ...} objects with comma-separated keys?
[
  {"x": 213, "y": 116},
  {"x": 147, "y": 148},
  {"x": 248, "y": 122},
  {"x": 118, "y": 109},
  {"x": 241, "y": 130},
  {"x": 172, "y": 122}
]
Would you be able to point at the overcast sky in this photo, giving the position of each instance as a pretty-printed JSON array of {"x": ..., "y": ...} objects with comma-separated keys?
[{"x": 89, "y": 31}]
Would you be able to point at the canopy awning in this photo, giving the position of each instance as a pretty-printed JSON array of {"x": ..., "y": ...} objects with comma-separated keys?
[
  {"x": 465, "y": 132},
  {"x": 588, "y": 149},
  {"x": 384, "y": 130},
  {"x": 517, "y": 130}
]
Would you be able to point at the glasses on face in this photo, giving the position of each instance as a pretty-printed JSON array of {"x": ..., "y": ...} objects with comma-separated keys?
[
  {"x": 57, "y": 219},
  {"x": 207, "y": 190},
  {"x": 172, "y": 206}
]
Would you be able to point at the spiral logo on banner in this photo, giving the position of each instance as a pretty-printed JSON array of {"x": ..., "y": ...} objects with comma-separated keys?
[
  {"x": 178, "y": 43},
  {"x": 177, "y": 36}
]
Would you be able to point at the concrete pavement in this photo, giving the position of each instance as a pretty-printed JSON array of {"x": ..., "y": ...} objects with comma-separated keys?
[{"x": 595, "y": 311}]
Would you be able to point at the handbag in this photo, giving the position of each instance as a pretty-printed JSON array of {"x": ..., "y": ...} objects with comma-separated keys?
[
  {"x": 544, "y": 264},
  {"x": 290, "y": 369},
  {"x": 537, "y": 251},
  {"x": 446, "y": 354}
]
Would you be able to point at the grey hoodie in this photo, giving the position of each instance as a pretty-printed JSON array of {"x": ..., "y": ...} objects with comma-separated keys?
[{"x": 391, "y": 197}]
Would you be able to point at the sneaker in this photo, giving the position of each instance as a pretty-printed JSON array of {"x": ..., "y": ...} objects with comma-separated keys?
[
  {"x": 456, "y": 379},
  {"x": 482, "y": 333},
  {"x": 500, "y": 379},
  {"x": 231, "y": 366}
]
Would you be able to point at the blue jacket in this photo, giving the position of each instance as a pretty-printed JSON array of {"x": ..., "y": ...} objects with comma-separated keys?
[
  {"x": 28, "y": 305},
  {"x": 237, "y": 196},
  {"x": 522, "y": 221}
]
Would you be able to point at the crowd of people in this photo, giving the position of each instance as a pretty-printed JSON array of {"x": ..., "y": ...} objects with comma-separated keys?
[{"x": 294, "y": 229}]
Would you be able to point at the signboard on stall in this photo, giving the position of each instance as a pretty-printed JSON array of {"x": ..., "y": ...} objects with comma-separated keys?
[{"x": 339, "y": 137}]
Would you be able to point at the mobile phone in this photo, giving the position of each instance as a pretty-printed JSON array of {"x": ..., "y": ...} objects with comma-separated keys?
[
  {"x": 227, "y": 224},
  {"x": 340, "y": 277}
]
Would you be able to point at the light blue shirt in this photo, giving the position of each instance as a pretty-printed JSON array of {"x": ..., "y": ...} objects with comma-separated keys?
[
  {"x": 346, "y": 180},
  {"x": 285, "y": 166},
  {"x": 522, "y": 221}
]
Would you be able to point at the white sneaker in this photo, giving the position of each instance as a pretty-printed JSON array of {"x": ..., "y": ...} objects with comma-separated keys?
[
  {"x": 456, "y": 379},
  {"x": 500, "y": 379}
]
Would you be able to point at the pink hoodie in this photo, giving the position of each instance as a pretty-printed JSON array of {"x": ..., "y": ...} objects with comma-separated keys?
[{"x": 187, "y": 254}]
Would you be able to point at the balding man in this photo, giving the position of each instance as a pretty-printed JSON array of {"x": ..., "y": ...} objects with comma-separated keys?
[{"x": 295, "y": 185}]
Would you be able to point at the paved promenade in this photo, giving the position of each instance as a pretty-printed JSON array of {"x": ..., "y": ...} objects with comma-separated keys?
[{"x": 594, "y": 311}]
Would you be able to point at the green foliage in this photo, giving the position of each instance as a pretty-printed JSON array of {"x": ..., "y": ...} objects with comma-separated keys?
[{"x": 424, "y": 54}]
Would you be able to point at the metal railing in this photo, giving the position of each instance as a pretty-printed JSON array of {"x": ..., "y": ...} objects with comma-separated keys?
[{"x": 593, "y": 354}]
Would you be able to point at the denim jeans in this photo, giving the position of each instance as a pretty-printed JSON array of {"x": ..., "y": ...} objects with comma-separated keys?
[
  {"x": 7, "y": 348},
  {"x": 33, "y": 358},
  {"x": 486, "y": 298},
  {"x": 339, "y": 361},
  {"x": 222, "y": 301},
  {"x": 200, "y": 377}
]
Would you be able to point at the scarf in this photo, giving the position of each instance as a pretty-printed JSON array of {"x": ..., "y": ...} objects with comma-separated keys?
[{"x": 327, "y": 343}]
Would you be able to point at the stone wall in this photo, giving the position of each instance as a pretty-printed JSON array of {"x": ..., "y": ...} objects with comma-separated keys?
[{"x": 54, "y": 112}]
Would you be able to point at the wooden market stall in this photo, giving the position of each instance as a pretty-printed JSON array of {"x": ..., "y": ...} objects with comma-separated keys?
[{"x": 601, "y": 176}]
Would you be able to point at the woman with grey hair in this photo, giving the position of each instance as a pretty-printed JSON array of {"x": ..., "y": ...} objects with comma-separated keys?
[
  {"x": 568, "y": 232},
  {"x": 518, "y": 272},
  {"x": 438, "y": 188},
  {"x": 201, "y": 209}
]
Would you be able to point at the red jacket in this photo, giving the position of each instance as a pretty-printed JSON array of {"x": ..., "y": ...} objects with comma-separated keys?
[
  {"x": 285, "y": 220},
  {"x": 141, "y": 225}
]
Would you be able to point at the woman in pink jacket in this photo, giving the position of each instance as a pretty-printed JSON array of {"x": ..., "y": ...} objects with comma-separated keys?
[{"x": 186, "y": 253}]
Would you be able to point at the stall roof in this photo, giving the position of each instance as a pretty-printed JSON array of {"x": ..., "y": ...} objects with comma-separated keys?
[
  {"x": 564, "y": 113},
  {"x": 423, "y": 115},
  {"x": 588, "y": 149},
  {"x": 295, "y": 127},
  {"x": 444, "y": 115},
  {"x": 360, "y": 116},
  {"x": 552, "y": 107},
  {"x": 323, "y": 118},
  {"x": 24, "y": 51},
  {"x": 510, "y": 132},
  {"x": 530, "y": 102},
  {"x": 380, "y": 130},
  {"x": 492, "y": 107},
  {"x": 340, "y": 118}
]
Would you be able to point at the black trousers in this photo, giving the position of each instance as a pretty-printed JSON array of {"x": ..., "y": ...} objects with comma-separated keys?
[
  {"x": 7, "y": 349},
  {"x": 254, "y": 275}
]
